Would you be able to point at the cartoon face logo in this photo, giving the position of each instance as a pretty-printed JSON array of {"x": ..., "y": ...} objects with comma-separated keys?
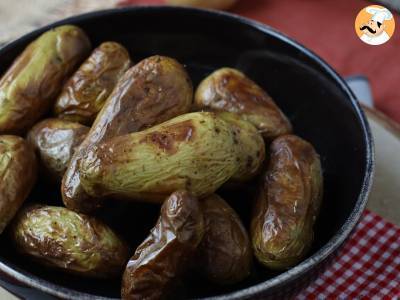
[{"x": 374, "y": 25}]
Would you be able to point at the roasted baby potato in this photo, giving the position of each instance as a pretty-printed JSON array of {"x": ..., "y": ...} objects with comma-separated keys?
[
  {"x": 224, "y": 254},
  {"x": 72, "y": 242},
  {"x": 288, "y": 203},
  {"x": 151, "y": 92},
  {"x": 195, "y": 151},
  {"x": 17, "y": 175},
  {"x": 55, "y": 141},
  {"x": 34, "y": 80},
  {"x": 168, "y": 251},
  {"x": 251, "y": 146},
  {"x": 86, "y": 91},
  {"x": 230, "y": 90}
]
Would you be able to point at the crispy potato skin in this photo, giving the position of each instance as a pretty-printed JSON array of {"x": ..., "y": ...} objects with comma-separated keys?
[
  {"x": 34, "y": 80},
  {"x": 72, "y": 242},
  {"x": 18, "y": 169},
  {"x": 55, "y": 141},
  {"x": 224, "y": 255},
  {"x": 167, "y": 252},
  {"x": 151, "y": 92},
  {"x": 195, "y": 151},
  {"x": 84, "y": 94},
  {"x": 288, "y": 203},
  {"x": 250, "y": 145},
  {"x": 230, "y": 90}
]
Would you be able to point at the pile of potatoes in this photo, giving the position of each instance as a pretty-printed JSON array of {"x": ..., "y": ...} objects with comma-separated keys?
[{"x": 123, "y": 131}]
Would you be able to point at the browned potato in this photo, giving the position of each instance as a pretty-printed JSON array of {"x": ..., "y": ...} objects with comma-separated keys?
[
  {"x": 55, "y": 141},
  {"x": 230, "y": 90},
  {"x": 17, "y": 175},
  {"x": 86, "y": 91},
  {"x": 288, "y": 203},
  {"x": 29, "y": 87},
  {"x": 63, "y": 239},
  {"x": 224, "y": 255},
  {"x": 164, "y": 256},
  {"x": 215, "y": 4},
  {"x": 153, "y": 91}
]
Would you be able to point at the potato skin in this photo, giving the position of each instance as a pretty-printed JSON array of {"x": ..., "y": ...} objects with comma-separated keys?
[
  {"x": 84, "y": 94},
  {"x": 34, "y": 80},
  {"x": 167, "y": 252},
  {"x": 195, "y": 151},
  {"x": 18, "y": 169},
  {"x": 224, "y": 254},
  {"x": 230, "y": 90},
  {"x": 55, "y": 141},
  {"x": 288, "y": 203},
  {"x": 151, "y": 92},
  {"x": 250, "y": 145},
  {"x": 72, "y": 242}
]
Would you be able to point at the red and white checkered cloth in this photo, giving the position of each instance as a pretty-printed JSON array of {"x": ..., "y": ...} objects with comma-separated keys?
[{"x": 367, "y": 267}]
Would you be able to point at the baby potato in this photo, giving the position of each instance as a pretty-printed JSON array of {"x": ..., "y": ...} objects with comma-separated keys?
[
  {"x": 288, "y": 204},
  {"x": 195, "y": 151},
  {"x": 154, "y": 269},
  {"x": 215, "y": 4},
  {"x": 34, "y": 80},
  {"x": 251, "y": 146},
  {"x": 230, "y": 90},
  {"x": 17, "y": 175},
  {"x": 55, "y": 141},
  {"x": 224, "y": 254},
  {"x": 86, "y": 91},
  {"x": 151, "y": 92},
  {"x": 72, "y": 242}
]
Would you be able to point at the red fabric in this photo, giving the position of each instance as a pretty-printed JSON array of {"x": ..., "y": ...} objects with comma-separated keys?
[
  {"x": 368, "y": 265},
  {"x": 327, "y": 28}
]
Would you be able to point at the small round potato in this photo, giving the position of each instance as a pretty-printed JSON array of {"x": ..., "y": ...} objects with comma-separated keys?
[
  {"x": 151, "y": 92},
  {"x": 163, "y": 257},
  {"x": 18, "y": 169},
  {"x": 230, "y": 90},
  {"x": 72, "y": 242},
  {"x": 288, "y": 204},
  {"x": 55, "y": 141},
  {"x": 224, "y": 255},
  {"x": 32, "y": 83},
  {"x": 85, "y": 92}
]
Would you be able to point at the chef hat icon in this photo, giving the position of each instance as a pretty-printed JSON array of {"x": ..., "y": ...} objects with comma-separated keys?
[{"x": 379, "y": 14}]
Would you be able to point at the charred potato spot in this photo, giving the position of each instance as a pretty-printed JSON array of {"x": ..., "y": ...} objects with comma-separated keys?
[
  {"x": 55, "y": 141},
  {"x": 183, "y": 153},
  {"x": 84, "y": 94},
  {"x": 151, "y": 92},
  {"x": 17, "y": 176},
  {"x": 167, "y": 252},
  {"x": 75, "y": 243},
  {"x": 230, "y": 90},
  {"x": 28, "y": 88},
  {"x": 288, "y": 203},
  {"x": 224, "y": 255}
]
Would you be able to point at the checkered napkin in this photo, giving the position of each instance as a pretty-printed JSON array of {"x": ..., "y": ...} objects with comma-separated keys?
[{"x": 367, "y": 267}]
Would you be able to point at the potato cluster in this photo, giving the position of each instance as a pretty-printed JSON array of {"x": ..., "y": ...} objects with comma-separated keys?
[{"x": 106, "y": 130}]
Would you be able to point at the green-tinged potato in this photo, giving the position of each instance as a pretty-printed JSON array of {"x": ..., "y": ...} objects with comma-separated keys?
[
  {"x": 84, "y": 94},
  {"x": 32, "y": 83},
  {"x": 224, "y": 254},
  {"x": 195, "y": 151},
  {"x": 17, "y": 175},
  {"x": 75, "y": 243},
  {"x": 251, "y": 146},
  {"x": 230, "y": 90},
  {"x": 151, "y": 92},
  {"x": 288, "y": 204},
  {"x": 158, "y": 263},
  {"x": 55, "y": 141}
]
